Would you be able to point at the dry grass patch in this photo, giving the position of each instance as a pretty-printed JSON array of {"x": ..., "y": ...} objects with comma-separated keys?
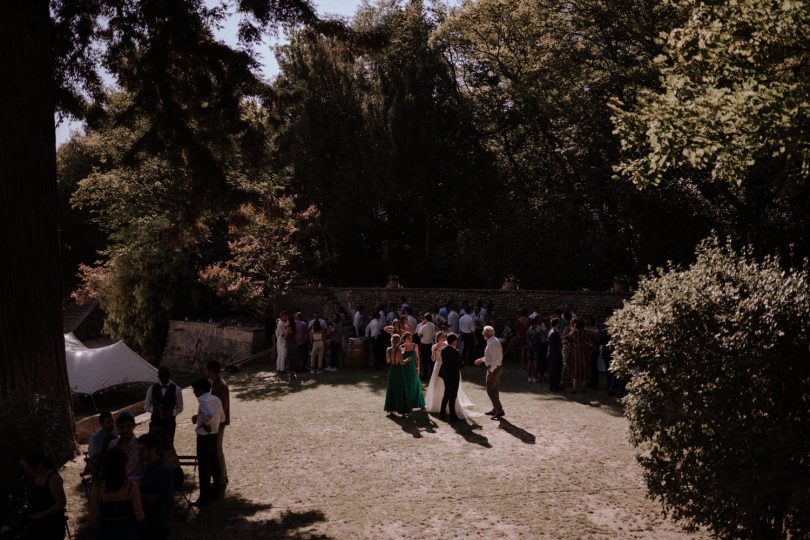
[{"x": 320, "y": 459}]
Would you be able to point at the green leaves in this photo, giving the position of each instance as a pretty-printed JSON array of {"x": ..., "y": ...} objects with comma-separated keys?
[
  {"x": 734, "y": 95},
  {"x": 719, "y": 407}
]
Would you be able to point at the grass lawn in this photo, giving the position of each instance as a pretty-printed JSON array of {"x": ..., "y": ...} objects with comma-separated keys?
[{"x": 321, "y": 459}]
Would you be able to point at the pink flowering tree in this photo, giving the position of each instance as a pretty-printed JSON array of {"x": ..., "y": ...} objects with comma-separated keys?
[{"x": 268, "y": 244}]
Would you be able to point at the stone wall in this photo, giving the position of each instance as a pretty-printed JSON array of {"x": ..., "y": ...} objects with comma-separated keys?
[
  {"x": 190, "y": 345},
  {"x": 326, "y": 300}
]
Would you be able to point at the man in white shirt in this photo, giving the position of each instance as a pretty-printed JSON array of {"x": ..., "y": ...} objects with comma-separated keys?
[
  {"x": 316, "y": 317},
  {"x": 164, "y": 401},
  {"x": 373, "y": 331},
  {"x": 427, "y": 336},
  {"x": 493, "y": 359},
  {"x": 452, "y": 320},
  {"x": 358, "y": 321},
  {"x": 373, "y": 328},
  {"x": 210, "y": 415},
  {"x": 466, "y": 325},
  {"x": 411, "y": 319}
]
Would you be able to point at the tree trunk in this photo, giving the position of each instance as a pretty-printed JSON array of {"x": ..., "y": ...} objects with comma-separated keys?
[{"x": 35, "y": 406}]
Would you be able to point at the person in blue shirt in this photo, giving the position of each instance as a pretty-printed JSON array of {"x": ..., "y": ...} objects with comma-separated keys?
[{"x": 99, "y": 442}]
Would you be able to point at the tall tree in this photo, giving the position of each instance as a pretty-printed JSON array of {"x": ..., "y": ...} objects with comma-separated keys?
[
  {"x": 181, "y": 80},
  {"x": 35, "y": 408}
]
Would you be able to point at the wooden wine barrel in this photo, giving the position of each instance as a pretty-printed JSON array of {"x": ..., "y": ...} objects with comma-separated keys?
[{"x": 357, "y": 353}]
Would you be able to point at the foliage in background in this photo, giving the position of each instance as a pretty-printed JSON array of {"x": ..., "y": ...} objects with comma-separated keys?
[
  {"x": 380, "y": 141},
  {"x": 538, "y": 76},
  {"x": 268, "y": 252},
  {"x": 730, "y": 118},
  {"x": 148, "y": 272},
  {"x": 719, "y": 407},
  {"x": 734, "y": 96}
]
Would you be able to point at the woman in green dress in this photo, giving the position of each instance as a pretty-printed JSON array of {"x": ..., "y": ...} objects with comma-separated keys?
[
  {"x": 413, "y": 386},
  {"x": 396, "y": 398}
]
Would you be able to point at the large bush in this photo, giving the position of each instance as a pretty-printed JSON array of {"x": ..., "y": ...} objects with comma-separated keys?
[{"x": 720, "y": 404}]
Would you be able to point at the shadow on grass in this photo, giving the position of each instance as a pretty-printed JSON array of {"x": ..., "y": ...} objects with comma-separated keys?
[
  {"x": 415, "y": 423},
  {"x": 612, "y": 405},
  {"x": 514, "y": 381},
  {"x": 259, "y": 383},
  {"x": 230, "y": 518},
  {"x": 518, "y": 432},
  {"x": 467, "y": 429}
]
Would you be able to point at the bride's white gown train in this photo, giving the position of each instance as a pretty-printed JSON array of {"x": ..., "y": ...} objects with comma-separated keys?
[{"x": 435, "y": 392}]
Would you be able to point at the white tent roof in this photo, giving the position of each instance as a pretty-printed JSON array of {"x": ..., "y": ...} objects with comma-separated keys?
[{"x": 91, "y": 370}]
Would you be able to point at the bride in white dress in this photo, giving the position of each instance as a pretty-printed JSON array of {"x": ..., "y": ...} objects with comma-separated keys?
[{"x": 435, "y": 390}]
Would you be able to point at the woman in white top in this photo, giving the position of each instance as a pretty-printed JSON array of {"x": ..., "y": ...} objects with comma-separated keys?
[
  {"x": 281, "y": 343},
  {"x": 316, "y": 337},
  {"x": 435, "y": 390}
]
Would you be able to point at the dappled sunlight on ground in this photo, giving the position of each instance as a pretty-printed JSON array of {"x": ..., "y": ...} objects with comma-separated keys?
[{"x": 319, "y": 458}]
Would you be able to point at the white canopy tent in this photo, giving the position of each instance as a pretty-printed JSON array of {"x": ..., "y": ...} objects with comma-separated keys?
[{"x": 92, "y": 370}]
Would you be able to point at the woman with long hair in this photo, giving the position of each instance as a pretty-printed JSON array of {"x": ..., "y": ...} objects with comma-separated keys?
[
  {"x": 396, "y": 398},
  {"x": 316, "y": 337},
  {"x": 46, "y": 503},
  {"x": 580, "y": 342},
  {"x": 293, "y": 361},
  {"x": 413, "y": 386},
  {"x": 115, "y": 502}
]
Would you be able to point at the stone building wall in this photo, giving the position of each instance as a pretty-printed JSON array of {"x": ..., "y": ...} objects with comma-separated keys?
[
  {"x": 191, "y": 344},
  {"x": 325, "y": 300}
]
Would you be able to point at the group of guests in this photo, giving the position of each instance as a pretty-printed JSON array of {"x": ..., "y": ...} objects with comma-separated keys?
[
  {"x": 564, "y": 349},
  {"x": 443, "y": 360},
  {"x": 302, "y": 346},
  {"x": 134, "y": 480},
  {"x": 556, "y": 347},
  {"x": 467, "y": 323}
]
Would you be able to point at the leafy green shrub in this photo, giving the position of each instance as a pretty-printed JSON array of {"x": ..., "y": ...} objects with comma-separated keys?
[{"x": 720, "y": 406}]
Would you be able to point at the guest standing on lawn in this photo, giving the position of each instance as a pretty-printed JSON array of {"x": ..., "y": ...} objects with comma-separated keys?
[
  {"x": 293, "y": 361},
  {"x": 164, "y": 401},
  {"x": 281, "y": 342},
  {"x": 219, "y": 388},
  {"x": 157, "y": 489},
  {"x": 46, "y": 501},
  {"x": 115, "y": 502},
  {"x": 396, "y": 398},
  {"x": 493, "y": 359},
  {"x": 427, "y": 336},
  {"x": 413, "y": 386},
  {"x": 206, "y": 425}
]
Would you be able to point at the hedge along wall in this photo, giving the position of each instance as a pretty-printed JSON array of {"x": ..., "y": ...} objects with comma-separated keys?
[{"x": 507, "y": 304}]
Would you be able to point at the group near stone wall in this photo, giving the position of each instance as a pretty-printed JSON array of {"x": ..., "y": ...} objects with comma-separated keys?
[
  {"x": 191, "y": 344},
  {"x": 507, "y": 303}
]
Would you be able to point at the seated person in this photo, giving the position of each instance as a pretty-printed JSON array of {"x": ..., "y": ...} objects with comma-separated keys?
[
  {"x": 99, "y": 442},
  {"x": 125, "y": 424}
]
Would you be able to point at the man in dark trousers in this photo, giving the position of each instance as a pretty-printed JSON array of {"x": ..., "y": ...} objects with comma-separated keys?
[
  {"x": 164, "y": 400},
  {"x": 555, "y": 359},
  {"x": 209, "y": 417},
  {"x": 450, "y": 372}
]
